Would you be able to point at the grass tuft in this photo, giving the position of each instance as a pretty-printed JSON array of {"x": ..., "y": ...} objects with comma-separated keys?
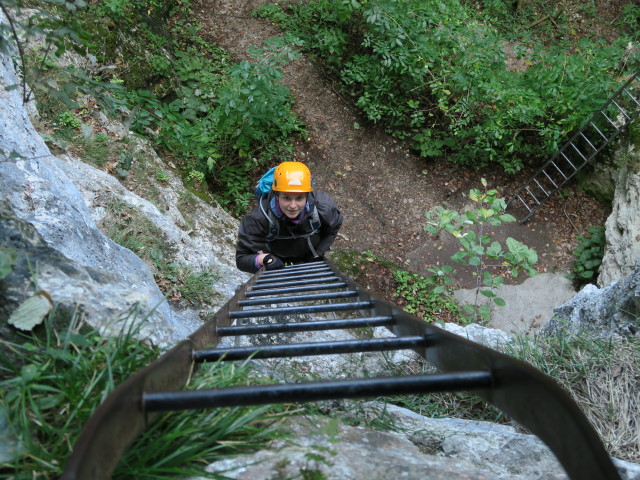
[
  {"x": 602, "y": 376},
  {"x": 53, "y": 380}
]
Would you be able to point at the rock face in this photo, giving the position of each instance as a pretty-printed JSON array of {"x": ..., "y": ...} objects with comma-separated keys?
[
  {"x": 622, "y": 249},
  {"x": 49, "y": 213},
  {"x": 605, "y": 312},
  {"x": 418, "y": 447}
]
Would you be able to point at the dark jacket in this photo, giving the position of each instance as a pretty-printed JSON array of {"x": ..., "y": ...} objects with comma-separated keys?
[{"x": 254, "y": 229}]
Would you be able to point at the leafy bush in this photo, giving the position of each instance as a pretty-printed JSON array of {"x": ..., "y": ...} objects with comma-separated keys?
[
  {"x": 435, "y": 73},
  {"x": 418, "y": 296},
  {"x": 226, "y": 121},
  {"x": 484, "y": 257},
  {"x": 588, "y": 254}
]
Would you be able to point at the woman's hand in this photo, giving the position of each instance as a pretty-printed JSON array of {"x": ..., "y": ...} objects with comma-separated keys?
[{"x": 271, "y": 262}]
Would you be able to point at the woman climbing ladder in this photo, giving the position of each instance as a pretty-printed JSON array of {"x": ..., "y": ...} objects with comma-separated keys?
[{"x": 292, "y": 223}]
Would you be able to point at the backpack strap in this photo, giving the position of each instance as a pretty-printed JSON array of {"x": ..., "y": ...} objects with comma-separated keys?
[
  {"x": 274, "y": 226},
  {"x": 315, "y": 227}
]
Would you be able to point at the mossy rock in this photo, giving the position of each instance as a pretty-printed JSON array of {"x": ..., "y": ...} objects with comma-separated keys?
[{"x": 598, "y": 180}]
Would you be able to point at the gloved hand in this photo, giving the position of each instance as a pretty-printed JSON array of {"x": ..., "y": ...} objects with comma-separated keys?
[{"x": 271, "y": 262}]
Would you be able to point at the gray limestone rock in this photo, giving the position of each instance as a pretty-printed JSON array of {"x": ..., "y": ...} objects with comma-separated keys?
[
  {"x": 622, "y": 228},
  {"x": 418, "y": 447},
  {"x": 56, "y": 203},
  {"x": 605, "y": 312}
]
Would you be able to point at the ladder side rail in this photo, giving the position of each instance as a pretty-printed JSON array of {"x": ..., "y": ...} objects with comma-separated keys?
[
  {"x": 580, "y": 132},
  {"x": 521, "y": 391},
  {"x": 118, "y": 421}
]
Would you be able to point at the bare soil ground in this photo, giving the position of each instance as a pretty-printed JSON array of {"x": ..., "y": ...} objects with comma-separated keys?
[{"x": 382, "y": 188}]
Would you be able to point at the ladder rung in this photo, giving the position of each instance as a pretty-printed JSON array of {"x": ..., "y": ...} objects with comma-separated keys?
[
  {"x": 622, "y": 110},
  {"x": 550, "y": 179},
  {"x": 588, "y": 141},
  {"x": 598, "y": 130},
  {"x": 306, "y": 288},
  {"x": 541, "y": 187},
  {"x": 523, "y": 203},
  {"x": 609, "y": 120},
  {"x": 311, "y": 326},
  {"x": 283, "y": 273},
  {"x": 534, "y": 197},
  {"x": 579, "y": 153},
  {"x": 294, "y": 277},
  {"x": 311, "y": 348},
  {"x": 316, "y": 391},
  {"x": 294, "y": 284},
  {"x": 266, "y": 312},
  {"x": 298, "y": 298},
  {"x": 637, "y": 102},
  {"x": 569, "y": 162}
]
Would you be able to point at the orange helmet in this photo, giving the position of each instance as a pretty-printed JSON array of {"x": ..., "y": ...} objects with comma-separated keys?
[{"x": 292, "y": 177}]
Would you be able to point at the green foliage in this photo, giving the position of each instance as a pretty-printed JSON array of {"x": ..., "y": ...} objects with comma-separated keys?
[
  {"x": 628, "y": 20},
  {"x": 436, "y": 74},
  {"x": 478, "y": 251},
  {"x": 58, "y": 24},
  {"x": 54, "y": 380},
  {"x": 68, "y": 119},
  {"x": 195, "y": 287},
  {"x": 219, "y": 120},
  {"x": 129, "y": 11},
  {"x": 227, "y": 121},
  {"x": 588, "y": 254},
  {"x": 426, "y": 297},
  {"x": 50, "y": 385},
  {"x": 8, "y": 258}
]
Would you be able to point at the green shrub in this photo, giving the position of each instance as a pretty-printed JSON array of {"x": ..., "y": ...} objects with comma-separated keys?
[
  {"x": 628, "y": 20},
  {"x": 435, "y": 74},
  {"x": 588, "y": 254},
  {"x": 426, "y": 297},
  {"x": 484, "y": 257}
]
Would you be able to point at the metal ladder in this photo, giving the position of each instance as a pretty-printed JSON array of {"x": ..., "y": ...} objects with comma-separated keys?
[
  {"x": 604, "y": 126},
  {"x": 519, "y": 390}
]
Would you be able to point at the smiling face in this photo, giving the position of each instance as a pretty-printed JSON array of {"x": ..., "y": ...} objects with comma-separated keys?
[{"x": 292, "y": 204}]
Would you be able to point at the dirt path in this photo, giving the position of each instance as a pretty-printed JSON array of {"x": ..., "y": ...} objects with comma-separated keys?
[{"x": 382, "y": 189}]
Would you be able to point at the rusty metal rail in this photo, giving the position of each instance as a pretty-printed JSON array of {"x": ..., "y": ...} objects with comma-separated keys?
[{"x": 519, "y": 390}]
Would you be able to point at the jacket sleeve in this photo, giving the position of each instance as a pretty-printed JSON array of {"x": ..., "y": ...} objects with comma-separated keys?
[
  {"x": 252, "y": 238},
  {"x": 331, "y": 221}
]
